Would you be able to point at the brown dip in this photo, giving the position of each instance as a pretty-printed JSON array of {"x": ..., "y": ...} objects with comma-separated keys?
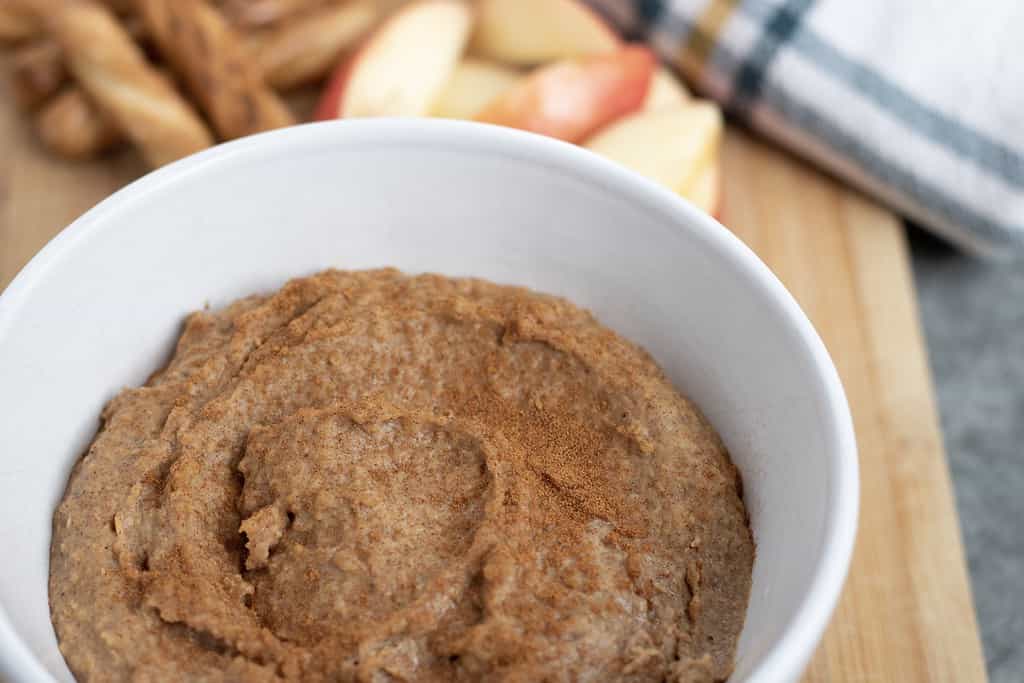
[{"x": 373, "y": 477}]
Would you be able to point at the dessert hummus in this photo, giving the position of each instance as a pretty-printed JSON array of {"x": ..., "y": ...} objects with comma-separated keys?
[{"x": 369, "y": 476}]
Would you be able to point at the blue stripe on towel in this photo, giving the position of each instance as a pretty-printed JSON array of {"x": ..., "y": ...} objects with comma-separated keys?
[
  {"x": 845, "y": 145},
  {"x": 961, "y": 139},
  {"x": 777, "y": 30},
  {"x": 650, "y": 10}
]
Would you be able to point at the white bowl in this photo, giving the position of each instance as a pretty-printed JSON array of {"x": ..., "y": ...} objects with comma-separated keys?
[{"x": 99, "y": 308}]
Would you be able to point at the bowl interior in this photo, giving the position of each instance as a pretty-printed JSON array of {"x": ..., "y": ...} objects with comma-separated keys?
[{"x": 100, "y": 308}]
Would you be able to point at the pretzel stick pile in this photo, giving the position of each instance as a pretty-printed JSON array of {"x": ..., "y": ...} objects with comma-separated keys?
[{"x": 169, "y": 76}]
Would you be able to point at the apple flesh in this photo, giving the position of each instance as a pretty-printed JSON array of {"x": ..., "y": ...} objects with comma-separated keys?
[
  {"x": 677, "y": 147},
  {"x": 666, "y": 91},
  {"x": 537, "y": 31},
  {"x": 572, "y": 99},
  {"x": 402, "y": 67},
  {"x": 473, "y": 85},
  {"x": 706, "y": 191}
]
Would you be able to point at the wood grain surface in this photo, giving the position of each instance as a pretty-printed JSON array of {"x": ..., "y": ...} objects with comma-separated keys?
[{"x": 906, "y": 614}]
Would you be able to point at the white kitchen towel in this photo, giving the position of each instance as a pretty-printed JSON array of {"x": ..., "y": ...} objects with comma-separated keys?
[{"x": 918, "y": 102}]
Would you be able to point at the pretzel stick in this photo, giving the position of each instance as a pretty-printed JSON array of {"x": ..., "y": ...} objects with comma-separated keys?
[
  {"x": 120, "y": 6},
  {"x": 18, "y": 20},
  {"x": 111, "y": 68},
  {"x": 253, "y": 13},
  {"x": 73, "y": 127},
  {"x": 308, "y": 47},
  {"x": 16, "y": 24},
  {"x": 37, "y": 71},
  {"x": 215, "y": 65}
]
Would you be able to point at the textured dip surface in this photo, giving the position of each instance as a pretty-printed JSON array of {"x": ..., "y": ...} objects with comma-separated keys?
[{"x": 374, "y": 477}]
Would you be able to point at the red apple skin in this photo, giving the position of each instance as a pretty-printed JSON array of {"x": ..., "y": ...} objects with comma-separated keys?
[
  {"x": 329, "y": 105},
  {"x": 572, "y": 99}
]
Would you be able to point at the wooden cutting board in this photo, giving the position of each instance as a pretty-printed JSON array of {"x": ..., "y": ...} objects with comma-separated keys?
[{"x": 906, "y": 614}]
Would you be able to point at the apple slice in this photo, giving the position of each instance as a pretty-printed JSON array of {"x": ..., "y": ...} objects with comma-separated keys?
[
  {"x": 674, "y": 147},
  {"x": 403, "y": 65},
  {"x": 473, "y": 85},
  {"x": 571, "y": 99},
  {"x": 536, "y": 31},
  {"x": 666, "y": 91},
  {"x": 706, "y": 190}
]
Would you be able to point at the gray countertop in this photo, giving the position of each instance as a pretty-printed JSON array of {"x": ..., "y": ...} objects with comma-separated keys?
[{"x": 973, "y": 316}]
